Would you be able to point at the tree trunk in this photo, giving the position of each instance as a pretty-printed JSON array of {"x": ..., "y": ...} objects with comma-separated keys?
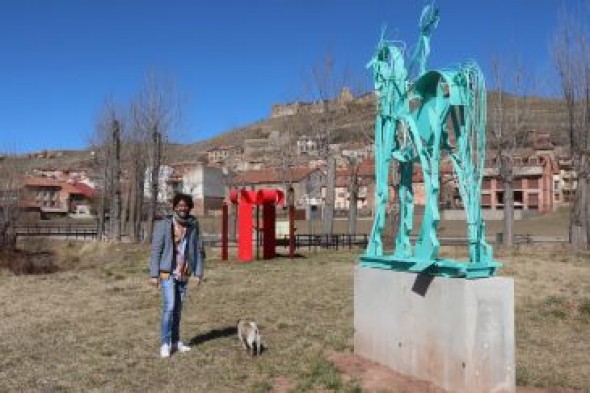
[
  {"x": 329, "y": 202},
  {"x": 137, "y": 223},
  {"x": 115, "y": 216},
  {"x": 102, "y": 202},
  {"x": 579, "y": 213},
  {"x": 353, "y": 200},
  {"x": 131, "y": 226},
  {"x": 233, "y": 220},
  {"x": 9, "y": 241},
  {"x": 508, "y": 235},
  {"x": 154, "y": 183},
  {"x": 8, "y": 236},
  {"x": 125, "y": 211},
  {"x": 587, "y": 215}
]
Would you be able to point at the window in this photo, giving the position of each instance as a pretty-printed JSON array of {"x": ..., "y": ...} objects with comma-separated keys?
[
  {"x": 533, "y": 183},
  {"x": 533, "y": 200}
]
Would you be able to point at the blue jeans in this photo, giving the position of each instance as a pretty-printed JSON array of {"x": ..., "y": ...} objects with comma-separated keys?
[{"x": 173, "y": 295}]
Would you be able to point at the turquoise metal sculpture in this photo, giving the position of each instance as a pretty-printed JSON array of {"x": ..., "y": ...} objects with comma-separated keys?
[{"x": 423, "y": 116}]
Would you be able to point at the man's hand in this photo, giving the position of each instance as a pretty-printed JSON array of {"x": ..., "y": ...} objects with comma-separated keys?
[
  {"x": 155, "y": 282},
  {"x": 197, "y": 280}
]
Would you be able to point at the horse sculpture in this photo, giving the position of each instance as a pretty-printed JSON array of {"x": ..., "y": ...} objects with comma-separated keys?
[{"x": 423, "y": 117}]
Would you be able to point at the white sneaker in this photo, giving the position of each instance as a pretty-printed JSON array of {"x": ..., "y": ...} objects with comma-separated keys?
[
  {"x": 180, "y": 347},
  {"x": 165, "y": 351}
]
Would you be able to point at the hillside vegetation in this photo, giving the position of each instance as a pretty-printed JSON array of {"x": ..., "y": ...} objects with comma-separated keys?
[{"x": 352, "y": 123}]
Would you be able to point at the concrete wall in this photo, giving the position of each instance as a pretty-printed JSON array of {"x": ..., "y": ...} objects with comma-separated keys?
[{"x": 456, "y": 333}]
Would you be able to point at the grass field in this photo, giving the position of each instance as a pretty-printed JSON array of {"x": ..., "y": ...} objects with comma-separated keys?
[
  {"x": 93, "y": 324},
  {"x": 550, "y": 224}
]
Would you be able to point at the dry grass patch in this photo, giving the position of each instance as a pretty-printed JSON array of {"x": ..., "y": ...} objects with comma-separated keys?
[
  {"x": 93, "y": 325},
  {"x": 552, "y": 290}
]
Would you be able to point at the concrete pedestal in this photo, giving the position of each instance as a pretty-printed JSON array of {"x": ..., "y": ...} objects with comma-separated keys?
[{"x": 456, "y": 333}]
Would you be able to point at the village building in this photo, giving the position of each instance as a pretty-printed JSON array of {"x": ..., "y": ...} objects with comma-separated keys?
[
  {"x": 565, "y": 180},
  {"x": 223, "y": 153},
  {"x": 311, "y": 145},
  {"x": 206, "y": 184},
  {"x": 343, "y": 186},
  {"x": 532, "y": 186},
  {"x": 359, "y": 151},
  {"x": 50, "y": 197},
  {"x": 306, "y": 183}
]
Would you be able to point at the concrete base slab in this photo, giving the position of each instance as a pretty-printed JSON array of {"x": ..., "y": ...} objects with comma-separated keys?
[{"x": 456, "y": 333}]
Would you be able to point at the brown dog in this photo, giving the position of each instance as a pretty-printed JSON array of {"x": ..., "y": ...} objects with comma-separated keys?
[{"x": 249, "y": 336}]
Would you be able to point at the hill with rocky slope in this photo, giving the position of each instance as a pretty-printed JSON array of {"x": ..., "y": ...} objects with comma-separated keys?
[{"x": 353, "y": 121}]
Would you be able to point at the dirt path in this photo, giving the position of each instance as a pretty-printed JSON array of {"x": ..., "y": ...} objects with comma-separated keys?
[{"x": 374, "y": 377}]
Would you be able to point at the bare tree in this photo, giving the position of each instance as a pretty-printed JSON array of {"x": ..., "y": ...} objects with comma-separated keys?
[
  {"x": 571, "y": 54},
  {"x": 115, "y": 181},
  {"x": 229, "y": 179},
  {"x": 353, "y": 193},
  {"x": 328, "y": 225},
  {"x": 155, "y": 178},
  {"x": 136, "y": 167},
  {"x": 10, "y": 199},
  {"x": 509, "y": 114},
  {"x": 102, "y": 142},
  {"x": 324, "y": 85},
  {"x": 156, "y": 113}
]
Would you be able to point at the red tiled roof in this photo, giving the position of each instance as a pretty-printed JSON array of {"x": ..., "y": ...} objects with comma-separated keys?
[
  {"x": 80, "y": 189},
  {"x": 69, "y": 188},
  {"x": 274, "y": 175},
  {"x": 42, "y": 182}
]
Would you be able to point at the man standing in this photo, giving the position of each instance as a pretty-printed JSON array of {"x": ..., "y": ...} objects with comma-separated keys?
[{"x": 177, "y": 253}]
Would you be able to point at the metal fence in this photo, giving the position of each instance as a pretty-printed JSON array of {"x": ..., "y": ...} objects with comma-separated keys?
[
  {"x": 64, "y": 231},
  {"x": 335, "y": 241},
  {"x": 302, "y": 241}
]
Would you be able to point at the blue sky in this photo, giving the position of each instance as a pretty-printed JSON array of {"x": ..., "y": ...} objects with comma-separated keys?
[{"x": 231, "y": 60}]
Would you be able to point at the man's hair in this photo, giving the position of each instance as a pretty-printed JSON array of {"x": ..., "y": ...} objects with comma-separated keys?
[{"x": 183, "y": 197}]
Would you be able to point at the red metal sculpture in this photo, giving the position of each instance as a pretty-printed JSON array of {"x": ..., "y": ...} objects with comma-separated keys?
[{"x": 246, "y": 199}]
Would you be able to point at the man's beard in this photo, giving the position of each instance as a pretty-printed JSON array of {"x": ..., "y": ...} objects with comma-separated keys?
[{"x": 181, "y": 220}]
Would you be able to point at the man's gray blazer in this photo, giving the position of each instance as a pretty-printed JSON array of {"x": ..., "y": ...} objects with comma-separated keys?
[{"x": 162, "y": 255}]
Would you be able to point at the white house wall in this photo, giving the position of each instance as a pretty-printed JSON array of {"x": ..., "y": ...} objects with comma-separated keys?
[
  {"x": 192, "y": 182},
  {"x": 165, "y": 173}
]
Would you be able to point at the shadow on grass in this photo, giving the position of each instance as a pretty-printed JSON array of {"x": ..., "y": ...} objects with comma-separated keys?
[
  {"x": 212, "y": 335},
  {"x": 286, "y": 256}
]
